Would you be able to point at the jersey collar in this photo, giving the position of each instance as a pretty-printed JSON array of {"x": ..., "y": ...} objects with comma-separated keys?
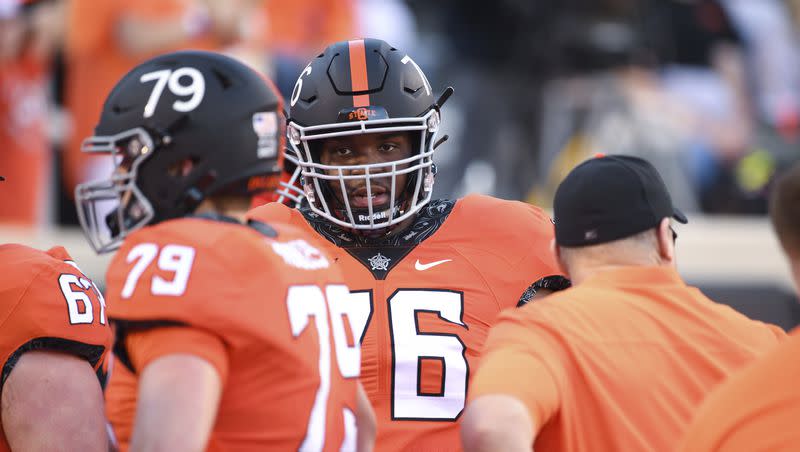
[{"x": 426, "y": 223}]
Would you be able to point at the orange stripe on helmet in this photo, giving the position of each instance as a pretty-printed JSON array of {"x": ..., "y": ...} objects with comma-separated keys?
[{"x": 358, "y": 72}]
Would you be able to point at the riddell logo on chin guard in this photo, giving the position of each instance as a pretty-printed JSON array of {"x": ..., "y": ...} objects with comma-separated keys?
[
  {"x": 375, "y": 216},
  {"x": 380, "y": 215}
]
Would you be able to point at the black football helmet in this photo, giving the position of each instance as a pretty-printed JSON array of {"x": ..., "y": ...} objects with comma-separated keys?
[
  {"x": 180, "y": 127},
  {"x": 358, "y": 87}
]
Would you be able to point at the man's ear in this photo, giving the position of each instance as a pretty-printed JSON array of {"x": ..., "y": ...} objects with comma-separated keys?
[
  {"x": 666, "y": 242},
  {"x": 556, "y": 250}
]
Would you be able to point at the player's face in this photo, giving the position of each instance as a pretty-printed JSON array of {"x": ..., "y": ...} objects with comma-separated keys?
[
  {"x": 374, "y": 148},
  {"x": 126, "y": 154}
]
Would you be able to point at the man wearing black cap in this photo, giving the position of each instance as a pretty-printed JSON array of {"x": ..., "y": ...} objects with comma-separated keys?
[{"x": 621, "y": 360}]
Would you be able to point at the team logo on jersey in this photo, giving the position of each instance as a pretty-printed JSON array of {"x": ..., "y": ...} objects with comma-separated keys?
[
  {"x": 265, "y": 125},
  {"x": 298, "y": 253},
  {"x": 379, "y": 262}
]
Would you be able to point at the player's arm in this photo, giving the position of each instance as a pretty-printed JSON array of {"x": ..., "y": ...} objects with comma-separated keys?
[
  {"x": 496, "y": 422},
  {"x": 182, "y": 374},
  {"x": 365, "y": 420},
  {"x": 53, "y": 401},
  {"x": 543, "y": 287},
  {"x": 177, "y": 404}
]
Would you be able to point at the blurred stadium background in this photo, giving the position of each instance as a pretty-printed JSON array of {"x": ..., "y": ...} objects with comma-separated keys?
[{"x": 708, "y": 90}]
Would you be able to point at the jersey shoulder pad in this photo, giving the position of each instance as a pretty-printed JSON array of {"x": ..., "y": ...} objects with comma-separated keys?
[
  {"x": 172, "y": 261},
  {"x": 216, "y": 281},
  {"x": 199, "y": 231},
  {"x": 298, "y": 249},
  {"x": 500, "y": 222},
  {"x": 44, "y": 281},
  {"x": 48, "y": 303},
  {"x": 59, "y": 253},
  {"x": 501, "y": 211},
  {"x": 273, "y": 212}
]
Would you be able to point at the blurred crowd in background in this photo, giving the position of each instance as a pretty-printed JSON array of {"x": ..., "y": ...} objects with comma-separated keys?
[{"x": 708, "y": 90}]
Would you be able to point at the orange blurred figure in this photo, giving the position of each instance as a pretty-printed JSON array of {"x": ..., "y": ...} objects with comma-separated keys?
[
  {"x": 28, "y": 34},
  {"x": 302, "y": 28}
]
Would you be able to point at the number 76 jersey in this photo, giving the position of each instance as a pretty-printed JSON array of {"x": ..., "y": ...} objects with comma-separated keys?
[{"x": 426, "y": 299}]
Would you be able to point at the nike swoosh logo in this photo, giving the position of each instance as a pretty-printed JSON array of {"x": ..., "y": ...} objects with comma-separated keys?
[{"x": 422, "y": 267}]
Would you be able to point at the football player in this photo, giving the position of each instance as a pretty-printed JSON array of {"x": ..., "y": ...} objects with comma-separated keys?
[
  {"x": 54, "y": 341},
  {"x": 427, "y": 276},
  {"x": 229, "y": 335}
]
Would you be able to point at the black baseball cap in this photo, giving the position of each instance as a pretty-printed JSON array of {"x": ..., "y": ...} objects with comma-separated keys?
[{"x": 608, "y": 198}]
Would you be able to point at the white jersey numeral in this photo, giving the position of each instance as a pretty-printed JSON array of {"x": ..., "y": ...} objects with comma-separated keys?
[
  {"x": 172, "y": 80},
  {"x": 79, "y": 305},
  {"x": 304, "y": 302},
  {"x": 177, "y": 259},
  {"x": 357, "y": 307},
  {"x": 410, "y": 348}
]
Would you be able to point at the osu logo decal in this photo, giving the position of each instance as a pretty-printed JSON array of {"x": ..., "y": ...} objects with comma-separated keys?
[{"x": 362, "y": 114}]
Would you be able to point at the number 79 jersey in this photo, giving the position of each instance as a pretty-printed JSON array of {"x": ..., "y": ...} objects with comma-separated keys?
[
  {"x": 273, "y": 307},
  {"x": 426, "y": 302}
]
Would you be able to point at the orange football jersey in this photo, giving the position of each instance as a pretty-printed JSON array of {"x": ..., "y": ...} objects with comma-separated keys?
[
  {"x": 428, "y": 296},
  {"x": 273, "y": 305},
  {"x": 46, "y": 303}
]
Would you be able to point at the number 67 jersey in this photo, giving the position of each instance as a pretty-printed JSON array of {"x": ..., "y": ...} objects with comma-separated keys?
[
  {"x": 263, "y": 306},
  {"x": 426, "y": 298},
  {"x": 47, "y": 303}
]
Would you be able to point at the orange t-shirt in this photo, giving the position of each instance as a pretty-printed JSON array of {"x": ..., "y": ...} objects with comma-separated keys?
[
  {"x": 619, "y": 362},
  {"x": 46, "y": 303},
  {"x": 426, "y": 317},
  {"x": 254, "y": 304},
  {"x": 96, "y": 61},
  {"x": 756, "y": 410},
  {"x": 24, "y": 146}
]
